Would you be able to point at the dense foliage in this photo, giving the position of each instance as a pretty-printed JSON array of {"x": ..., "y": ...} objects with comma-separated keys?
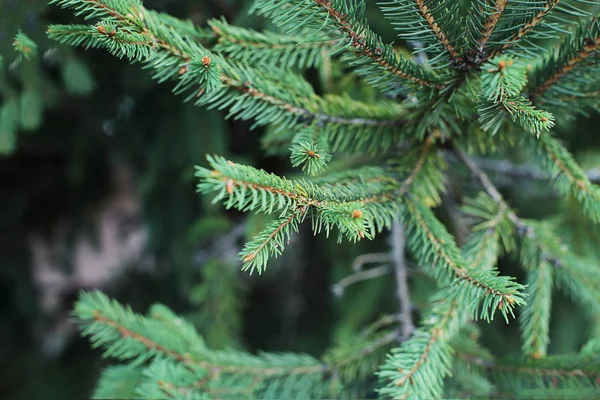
[{"x": 374, "y": 134}]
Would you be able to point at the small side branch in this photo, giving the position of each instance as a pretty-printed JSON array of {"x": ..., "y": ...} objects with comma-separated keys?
[
  {"x": 491, "y": 24},
  {"x": 402, "y": 291},
  {"x": 438, "y": 32},
  {"x": 590, "y": 47},
  {"x": 505, "y": 167},
  {"x": 371, "y": 273},
  {"x": 525, "y": 29}
]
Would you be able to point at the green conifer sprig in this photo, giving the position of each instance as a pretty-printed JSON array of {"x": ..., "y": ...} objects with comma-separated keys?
[
  {"x": 416, "y": 369},
  {"x": 502, "y": 83},
  {"x": 567, "y": 176},
  {"x": 535, "y": 318},
  {"x": 345, "y": 21},
  {"x": 492, "y": 232},
  {"x": 310, "y": 155},
  {"x": 576, "y": 277},
  {"x": 410, "y": 368},
  {"x": 434, "y": 247},
  {"x": 521, "y": 23},
  {"x": 268, "y": 48},
  {"x": 182, "y": 367},
  {"x": 26, "y": 47},
  {"x": 571, "y": 69},
  {"x": 502, "y": 78},
  {"x": 438, "y": 24},
  {"x": 285, "y": 99}
]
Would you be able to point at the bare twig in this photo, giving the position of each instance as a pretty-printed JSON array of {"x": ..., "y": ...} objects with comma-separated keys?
[
  {"x": 403, "y": 293},
  {"x": 370, "y": 258},
  {"x": 362, "y": 275},
  {"x": 486, "y": 182},
  {"x": 505, "y": 167}
]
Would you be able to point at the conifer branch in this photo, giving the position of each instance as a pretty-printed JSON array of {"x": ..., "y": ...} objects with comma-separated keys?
[
  {"x": 535, "y": 20},
  {"x": 567, "y": 176},
  {"x": 362, "y": 47},
  {"x": 540, "y": 246},
  {"x": 535, "y": 319},
  {"x": 338, "y": 19},
  {"x": 547, "y": 368},
  {"x": 425, "y": 354},
  {"x": 145, "y": 37},
  {"x": 437, "y": 30},
  {"x": 576, "y": 52},
  {"x": 267, "y": 47},
  {"x": 436, "y": 248},
  {"x": 491, "y": 23}
]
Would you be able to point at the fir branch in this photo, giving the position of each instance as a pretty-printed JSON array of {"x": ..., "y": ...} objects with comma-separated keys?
[
  {"x": 502, "y": 83},
  {"x": 270, "y": 242},
  {"x": 535, "y": 20},
  {"x": 492, "y": 21},
  {"x": 415, "y": 369},
  {"x": 267, "y": 47},
  {"x": 535, "y": 319},
  {"x": 434, "y": 246},
  {"x": 539, "y": 245},
  {"x": 551, "y": 367},
  {"x": 436, "y": 23},
  {"x": 439, "y": 34},
  {"x": 26, "y": 47},
  {"x": 492, "y": 233},
  {"x": 344, "y": 21},
  {"x": 567, "y": 176},
  {"x": 146, "y": 37},
  {"x": 574, "y": 53}
]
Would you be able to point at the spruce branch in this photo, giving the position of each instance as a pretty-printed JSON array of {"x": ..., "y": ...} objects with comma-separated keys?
[
  {"x": 535, "y": 319},
  {"x": 345, "y": 22},
  {"x": 545, "y": 372},
  {"x": 502, "y": 83},
  {"x": 485, "y": 292},
  {"x": 270, "y": 242},
  {"x": 572, "y": 64},
  {"x": 267, "y": 47},
  {"x": 528, "y": 24},
  {"x": 208, "y": 79},
  {"x": 416, "y": 368},
  {"x": 26, "y": 47},
  {"x": 539, "y": 245},
  {"x": 493, "y": 16},
  {"x": 567, "y": 176},
  {"x": 436, "y": 23},
  {"x": 180, "y": 363}
]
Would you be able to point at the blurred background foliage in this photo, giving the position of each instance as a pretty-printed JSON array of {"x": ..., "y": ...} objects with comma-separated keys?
[{"x": 97, "y": 190}]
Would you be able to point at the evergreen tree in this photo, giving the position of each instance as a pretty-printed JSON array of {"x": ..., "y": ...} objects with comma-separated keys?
[{"x": 487, "y": 78}]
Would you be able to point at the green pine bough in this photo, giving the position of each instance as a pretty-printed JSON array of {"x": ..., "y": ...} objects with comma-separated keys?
[{"x": 492, "y": 78}]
